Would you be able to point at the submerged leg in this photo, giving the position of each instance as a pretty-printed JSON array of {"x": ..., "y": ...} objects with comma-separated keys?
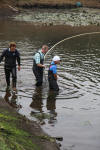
[
  {"x": 14, "y": 78},
  {"x": 53, "y": 85},
  {"x": 7, "y": 76}
]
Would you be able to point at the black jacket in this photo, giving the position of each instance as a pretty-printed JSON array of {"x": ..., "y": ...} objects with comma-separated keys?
[{"x": 10, "y": 57}]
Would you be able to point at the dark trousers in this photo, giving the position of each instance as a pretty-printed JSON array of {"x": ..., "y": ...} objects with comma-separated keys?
[
  {"x": 12, "y": 71},
  {"x": 53, "y": 84},
  {"x": 38, "y": 72}
]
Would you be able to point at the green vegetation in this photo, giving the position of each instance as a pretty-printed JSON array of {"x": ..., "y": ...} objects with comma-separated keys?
[
  {"x": 41, "y": 116},
  {"x": 12, "y": 137}
]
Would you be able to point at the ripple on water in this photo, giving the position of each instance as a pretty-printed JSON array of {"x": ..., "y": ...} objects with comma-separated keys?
[{"x": 73, "y": 113}]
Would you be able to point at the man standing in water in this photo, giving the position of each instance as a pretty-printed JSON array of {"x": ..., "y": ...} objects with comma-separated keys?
[
  {"x": 11, "y": 54},
  {"x": 52, "y": 73},
  {"x": 38, "y": 66}
]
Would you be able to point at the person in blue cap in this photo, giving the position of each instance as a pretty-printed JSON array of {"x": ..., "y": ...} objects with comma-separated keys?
[{"x": 52, "y": 73}]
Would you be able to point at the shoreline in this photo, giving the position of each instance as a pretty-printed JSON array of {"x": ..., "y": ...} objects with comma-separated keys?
[
  {"x": 58, "y": 3},
  {"x": 8, "y": 8},
  {"x": 82, "y": 16},
  {"x": 51, "y": 17},
  {"x": 19, "y": 133}
]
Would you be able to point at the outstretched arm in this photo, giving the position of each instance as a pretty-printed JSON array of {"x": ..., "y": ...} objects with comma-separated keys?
[
  {"x": 18, "y": 60},
  {"x": 2, "y": 55}
]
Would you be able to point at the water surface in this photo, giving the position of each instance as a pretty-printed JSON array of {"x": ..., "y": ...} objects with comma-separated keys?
[{"x": 74, "y": 112}]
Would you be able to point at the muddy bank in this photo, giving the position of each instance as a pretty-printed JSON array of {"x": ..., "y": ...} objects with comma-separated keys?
[
  {"x": 50, "y": 17},
  {"x": 11, "y": 7},
  {"x": 17, "y": 132},
  {"x": 74, "y": 17},
  {"x": 58, "y": 3},
  {"x": 7, "y": 9}
]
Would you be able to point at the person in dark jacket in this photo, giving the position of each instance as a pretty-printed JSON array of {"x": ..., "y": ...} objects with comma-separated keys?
[
  {"x": 38, "y": 66},
  {"x": 52, "y": 74},
  {"x": 11, "y": 55}
]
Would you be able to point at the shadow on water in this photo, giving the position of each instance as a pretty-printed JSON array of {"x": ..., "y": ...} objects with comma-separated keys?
[
  {"x": 51, "y": 106},
  {"x": 37, "y": 105}
]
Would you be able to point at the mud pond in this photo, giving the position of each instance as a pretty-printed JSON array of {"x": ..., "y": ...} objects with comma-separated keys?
[{"x": 74, "y": 112}]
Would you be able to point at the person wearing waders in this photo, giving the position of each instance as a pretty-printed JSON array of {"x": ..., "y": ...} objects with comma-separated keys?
[
  {"x": 11, "y": 55},
  {"x": 38, "y": 66},
  {"x": 52, "y": 73}
]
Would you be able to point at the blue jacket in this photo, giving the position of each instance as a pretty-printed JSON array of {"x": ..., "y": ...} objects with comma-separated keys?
[{"x": 10, "y": 57}]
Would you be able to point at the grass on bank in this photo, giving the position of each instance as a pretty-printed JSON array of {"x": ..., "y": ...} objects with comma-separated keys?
[{"x": 12, "y": 137}]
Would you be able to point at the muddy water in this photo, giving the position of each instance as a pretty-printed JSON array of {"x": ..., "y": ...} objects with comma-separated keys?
[{"x": 74, "y": 112}]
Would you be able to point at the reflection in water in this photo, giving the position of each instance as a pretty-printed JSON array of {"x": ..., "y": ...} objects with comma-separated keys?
[
  {"x": 37, "y": 99},
  {"x": 78, "y": 101},
  {"x": 7, "y": 95},
  {"x": 51, "y": 106},
  {"x": 11, "y": 99},
  {"x": 37, "y": 105}
]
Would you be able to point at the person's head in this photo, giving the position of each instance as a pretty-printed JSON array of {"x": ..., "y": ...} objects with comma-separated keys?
[
  {"x": 12, "y": 46},
  {"x": 44, "y": 49},
  {"x": 56, "y": 59}
]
